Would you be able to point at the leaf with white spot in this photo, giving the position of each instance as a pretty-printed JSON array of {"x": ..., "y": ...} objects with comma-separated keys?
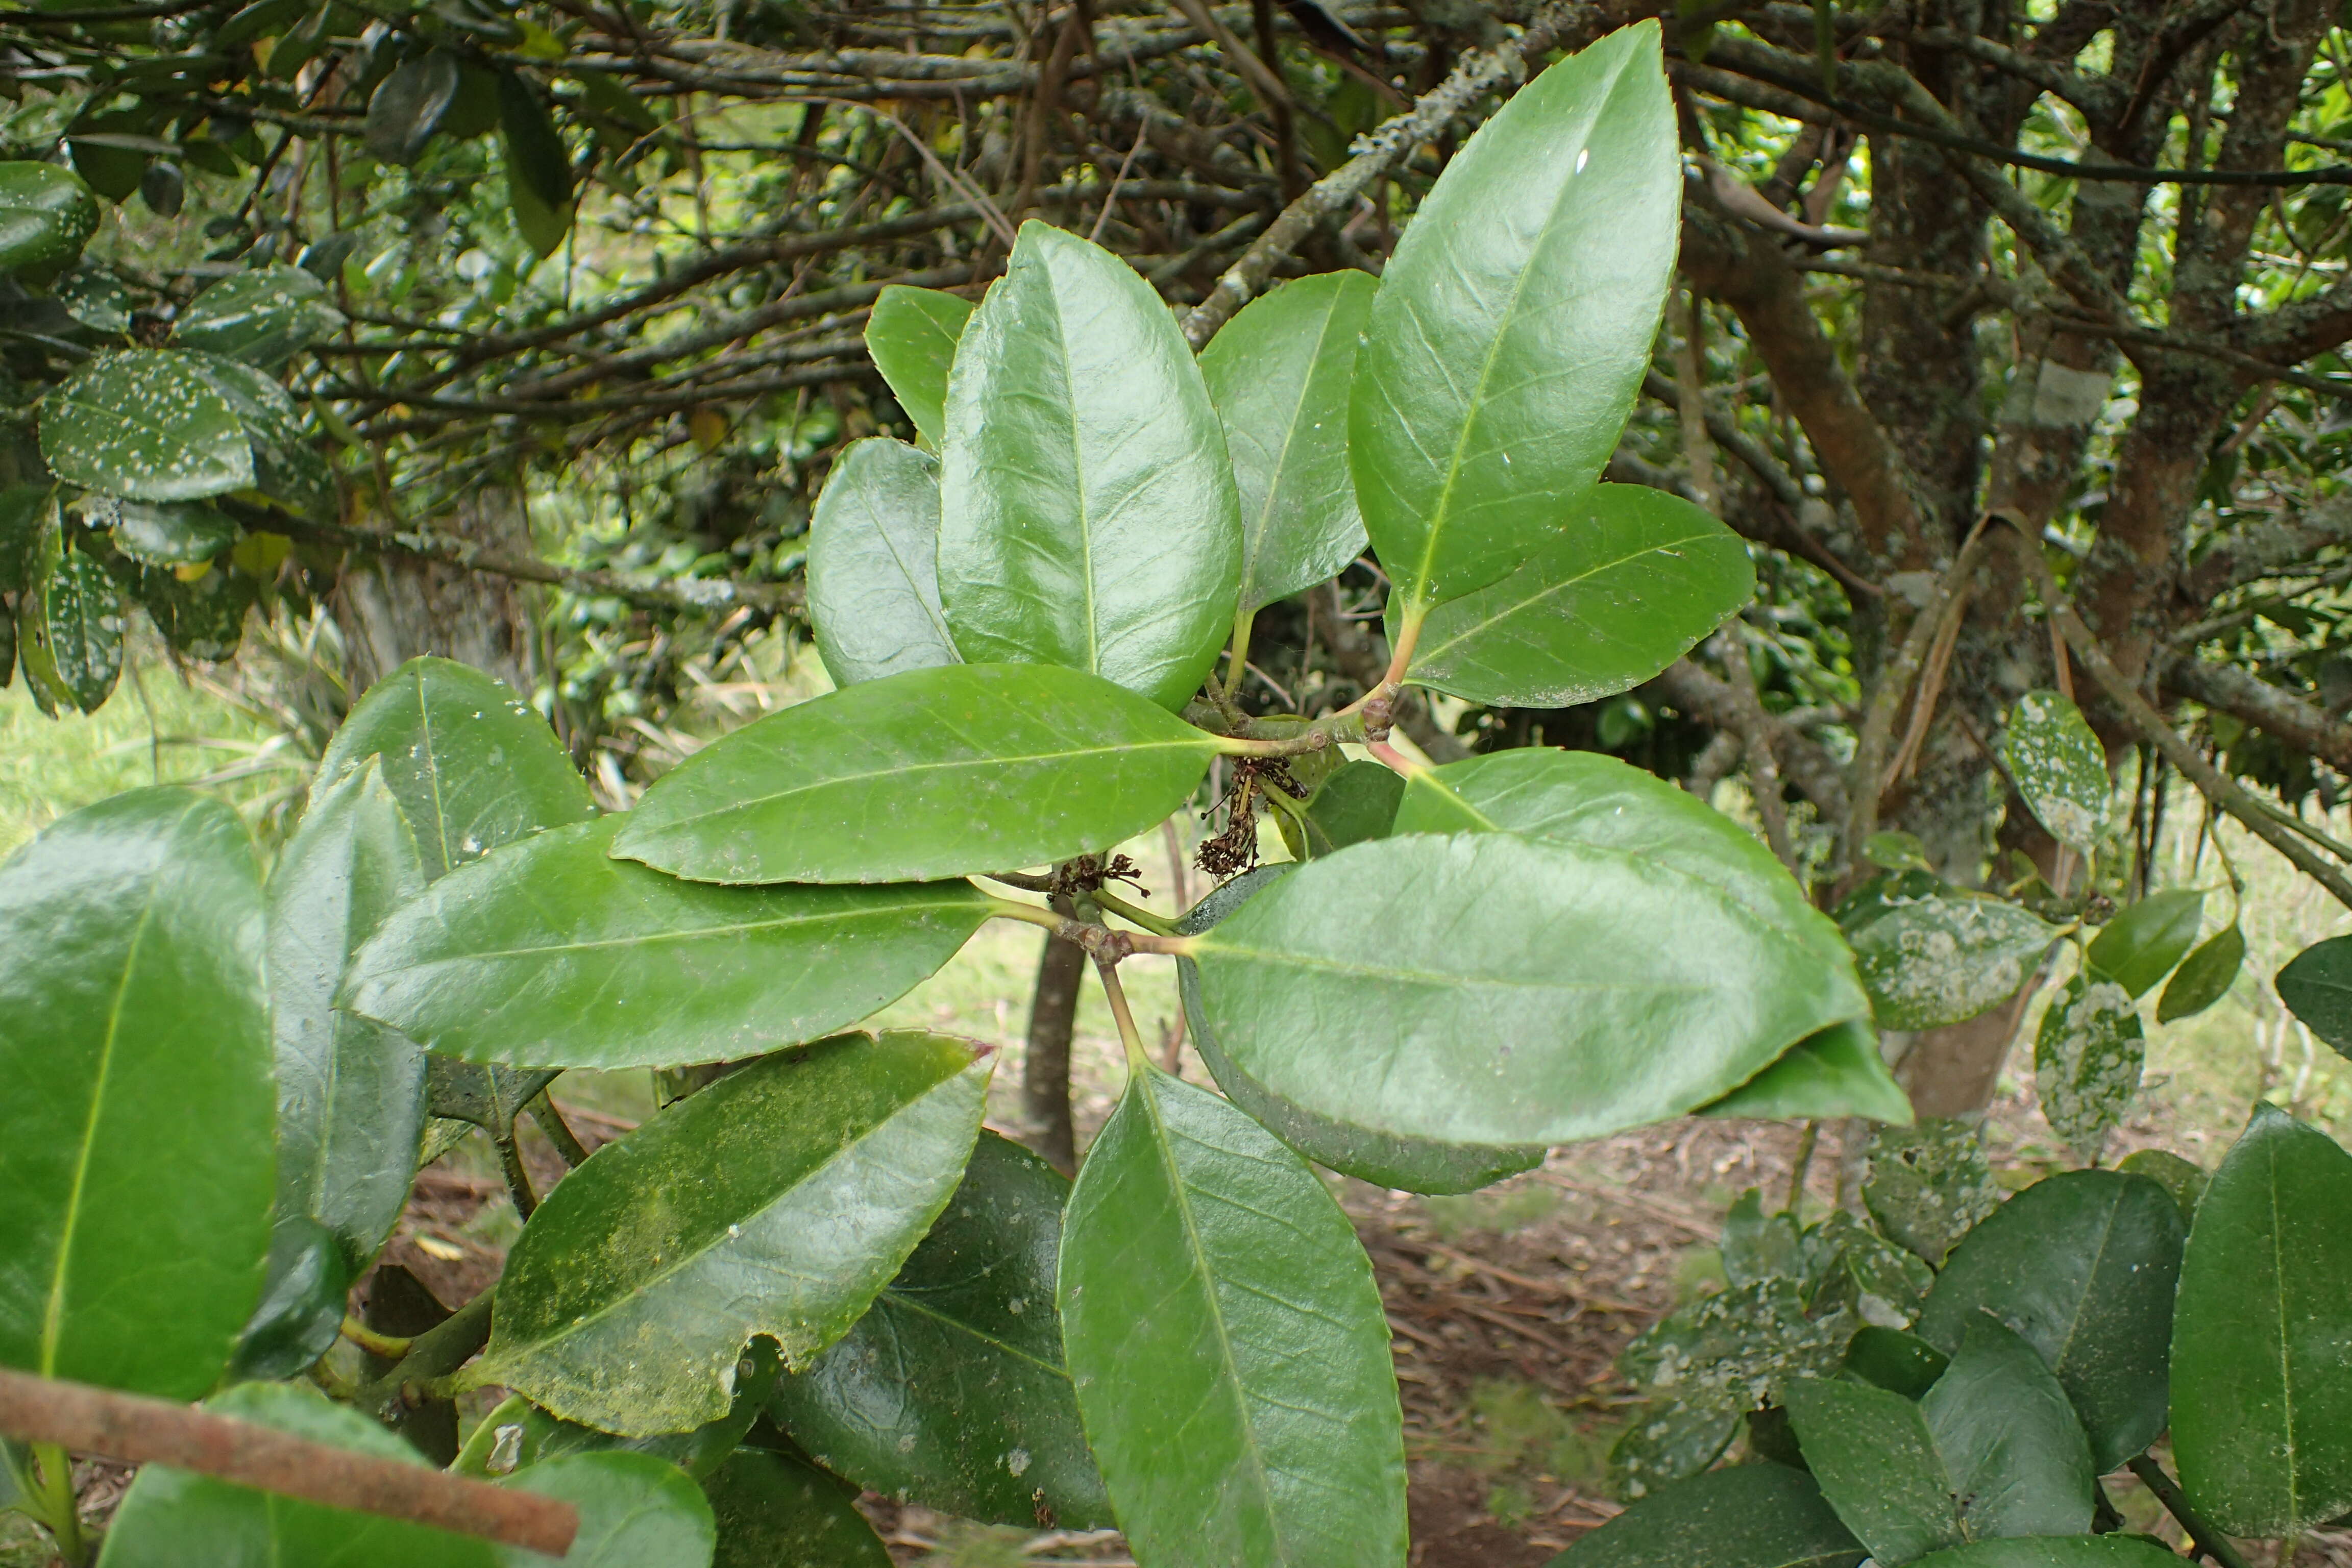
[
  {"x": 2087, "y": 1062},
  {"x": 2059, "y": 767},
  {"x": 148, "y": 424}
]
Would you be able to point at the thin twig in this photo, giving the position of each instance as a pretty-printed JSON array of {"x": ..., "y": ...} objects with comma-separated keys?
[{"x": 2208, "y": 1540}]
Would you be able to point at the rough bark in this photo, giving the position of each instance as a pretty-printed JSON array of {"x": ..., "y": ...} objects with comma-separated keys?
[
  {"x": 1046, "y": 1068},
  {"x": 394, "y": 608}
]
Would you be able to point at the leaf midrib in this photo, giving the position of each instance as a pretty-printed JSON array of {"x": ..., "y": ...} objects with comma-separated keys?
[
  {"x": 1254, "y": 540},
  {"x": 976, "y": 905},
  {"x": 1427, "y": 657}
]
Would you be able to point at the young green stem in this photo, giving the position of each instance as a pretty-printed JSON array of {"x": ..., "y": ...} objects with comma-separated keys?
[
  {"x": 1237, "y": 662},
  {"x": 1138, "y": 1058},
  {"x": 1103, "y": 943},
  {"x": 2208, "y": 1540},
  {"x": 392, "y": 1347},
  {"x": 56, "y": 1506},
  {"x": 1395, "y": 759},
  {"x": 1408, "y": 637},
  {"x": 1159, "y": 924},
  {"x": 559, "y": 1132}
]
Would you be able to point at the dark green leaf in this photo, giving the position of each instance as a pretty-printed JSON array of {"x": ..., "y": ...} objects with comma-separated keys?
[
  {"x": 2262, "y": 1385},
  {"x": 1087, "y": 514},
  {"x": 1757, "y": 1245},
  {"x": 164, "y": 188},
  {"x": 1357, "y": 802},
  {"x": 933, "y": 773},
  {"x": 1932, "y": 955},
  {"x": 912, "y": 335},
  {"x": 1627, "y": 582},
  {"x": 1876, "y": 1463},
  {"x": 113, "y": 172},
  {"x": 2205, "y": 976},
  {"x": 2017, "y": 1458},
  {"x": 137, "y": 1052},
  {"x": 286, "y": 467},
  {"x": 471, "y": 766},
  {"x": 2316, "y": 984},
  {"x": 261, "y": 318},
  {"x": 539, "y": 166},
  {"x": 2060, "y": 1551},
  {"x": 519, "y": 1434},
  {"x": 773, "y": 1511},
  {"x": 46, "y": 214},
  {"x": 1278, "y": 373},
  {"x": 1228, "y": 1343},
  {"x": 1837, "y": 1073},
  {"x": 778, "y": 1201},
  {"x": 1671, "y": 1440},
  {"x": 147, "y": 424},
  {"x": 407, "y": 106},
  {"x": 2083, "y": 1265},
  {"x": 1893, "y": 851},
  {"x": 2086, "y": 1061},
  {"x": 490, "y": 1098},
  {"x": 2183, "y": 1179},
  {"x": 1515, "y": 321},
  {"x": 167, "y": 533},
  {"x": 77, "y": 628},
  {"x": 201, "y": 618},
  {"x": 1888, "y": 1283},
  {"x": 306, "y": 1288},
  {"x": 1891, "y": 1360},
  {"x": 635, "y": 1511},
  {"x": 1926, "y": 1186},
  {"x": 551, "y": 952},
  {"x": 1739, "y": 1349},
  {"x": 2058, "y": 766},
  {"x": 2141, "y": 944},
  {"x": 950, "y": 1393},
  {"x": 26, "y": 513},
  {"x": 1753, "y": 1516},
  {"x": 873, "y": 565}
]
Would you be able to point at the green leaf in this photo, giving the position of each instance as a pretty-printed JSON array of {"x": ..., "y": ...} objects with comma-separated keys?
[
  {"x": 147, "y": 424},
  {"x": 1540, "y": 965},
  {"x": 912, "y": 335},
  {"x": 406, "y": 106},
  {"x": 46, "y": 216},
  {"x": 2018, "y": 1460},
  {"x": 167, "y": 533},
  {"x": 1757, "y": 1245},
  {"x": 552, "y": 954},
  {"x": 1228, "y": 1344},
  {"x": 470, "y": 764},
  {"x": 1932, "y": 955},
  {"x": 200, "y": 619},
  {"x": 1515, "y": 321},
  {"x": 933, "y": 773},
  {"x": 1740, "y": 1349},
  {"x": 2142, "y": 943},
  {"x": 262, "y": 318},
  {"x": 635, "y": 1511},
  {"x": 27, "y": 512},
  {"x": 1927, "y": 1184},
  {"x": 1837, "y": 1073},
  {"x": 2205, "y": 976},
  {"x": 1627, "y": 583},
  {"x": 1876, "y": 1463},
  {"x": 1278, "y": 373},
  {"x": 174, "y": 1518},
  {"x": 1753, "y": 1516},
  {"x": 950, "y": 1393},
  {"x": 2087, "y": 1057},
  {"x": 2060, "y": 1551},
  {"x": 873, "y": 565},
  {"x": 1888, "y": 1283},
  {"x": 778, "y": 1201},
  {"x": 774, "y": 1510},
  {"x": 519, "y": 1434},
  {"x": 2058, "y": 766},
  {"x": 77, "y": 628},
  {"x": 286, "y": 467},
  {"x": 1891, "y": 1360},
  {"x": 539, "y": 166},
  {"x": 2183, "y": 1179},
  {"x": 1893, "y": 851},
  {"x": 2316, "y": 985},
  {"x": 1087, "y": 514},
  {"x": 2262, "y": 1385},
  {"x": 2083, "y": 1265},
  {"x": 1670, "y": 1441},
  {"x": 137, "y": 1052},
  {"x": 1357, "y": 802}
]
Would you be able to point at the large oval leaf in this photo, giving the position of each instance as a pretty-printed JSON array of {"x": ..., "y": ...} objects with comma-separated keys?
[
  {"x": 2059, "y": 767},
  {"x": 46, "y": 214},
  {"x": 2087, "y": 1057},
  {"x": 136, "y": 1052},
  {"x": 2083, "y": 1265},
  {"x": 773, "y": 1510},
  {"x": 77, "y": 625},
  {"x": 1633, "y": 578},
  {"x": 1515, "y": 321},
  {"x": 934, "y": 772},
  {"x": 286, "y": 467},
  {"x": 1838, "y": 1072},
  {"x": 147, "y": 424},
  {"x": 1927, "y": 1185},
  {"x": 2316, "y": 984},
  {"x": 1932, "y": 955},
  {"x": 779, "y": 1201},
  {"x": 1228, "y": 1344},
  {"x": 1278, "y": 374},
  {"x": 1876, "y": 1464},
  {"x": 2206, "y": 975},
  {"x": 262, "y": 318},
  {"x": 873, "y": 566},
  {"x": 2009, "y": 1438},
  {"x": 2261, "y": 1338},
  {"x": 912, "y": 335},
  {"x": 551, "y": 952},
  {"x": 469, "y": 763},
  {"x": 1753, "y": 1516},
  {"x": 2057, "y": 1551},
  {"x": 2141, "y": 944},
  {"x": 950, "y": 1393},
  {"x": 1087, "y": 509},
  {"x": 635, "y": 1511}
]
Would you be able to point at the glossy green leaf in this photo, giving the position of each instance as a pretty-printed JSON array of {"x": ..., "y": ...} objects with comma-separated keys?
[
  {"x": 1753, "y": 1516},
  {"x": 912, "y": 335},
  {"x": 1837, "y": 1073},
  {"x": 2058, "y": 1551},
  {"x": 1739, "y": 1350},
  {"x": 2083, "y": 1265},
  {"x": 1088, "y": 513},
  {"x": 778, "y": 1201},
  {"x": 2262, "y": 1337},
  {"x": 2087, "y": 1057},
  {"x": 1515, "y": 321},
  {"x": 1888, "y": 1283},
  {"x": 27, "y": 513},
  {"x": 2009, "y": 1438},
  {"x": 635, "y": 1511},
  {"x": 2059, "y": 767},
  {"x": 1626, "y": 584},
  {"x": 288, "y": 470},
  {"x": 1669, "y": 1441},
  {"x": 147, "y": 424},
  {"x": 305, "y": 1290},
  {"x": 1927, "y": 1184},
  {"x": 1932, "y": 955},
  {"x": 1228, "y": 1343},
  {"x": 174, "y": 1518},
  {"x": 2183, "y": 1179},
  {"x": 46, "y": 214},
  {"x": 200, "y": 619},
  {"x": 1357, "y": 802},
  {"x": 519, "y": 1434},
  {"x": 1893, "y": 1359},
  {"x": 2316, "y": 985},
  {"x": 407, "y": 106},
  {"x": 2205, "y": 976},
  {"x": 167, "y": 533},
  {"x": 950, "y": 1393},
  {"x": 262, "y": 318},
  {"x": 1896, "y": 851},
  {"x": 934, "y": 772},
  {"x": 1278, "y": 373},
  {"x": 469, "y": 763},
  {"x": 137, "y": 1051},
  {"x": 77, "y": 628},
  {"x": 773, "y": 1511},
  {"x": 2144, "y": 942},
  {"x": 1757, "y": 1245},
  {"x": 873, "y": 566},
  {"x": 539, "y": 166},
  {"x": 551, "y": 952},
  {"x": 1540, "y": 963},
  {"x": 1876, "y": 1464}
]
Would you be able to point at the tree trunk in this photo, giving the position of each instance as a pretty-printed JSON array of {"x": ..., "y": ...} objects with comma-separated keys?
[
  {"x": 394, "y": 608},
  {"x": 1045, "y": 1070}
]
